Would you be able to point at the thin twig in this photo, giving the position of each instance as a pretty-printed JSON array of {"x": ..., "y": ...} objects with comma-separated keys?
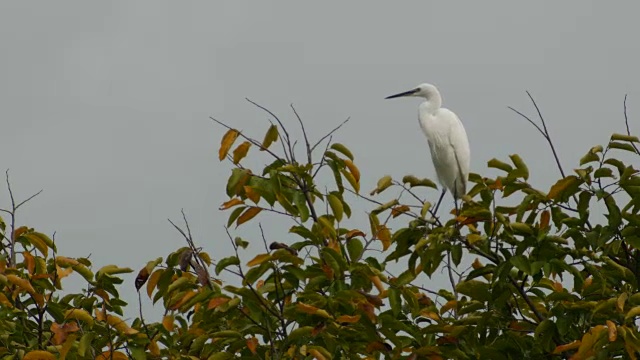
[
  {"x": 287, "y": 139},
  {"x": 626, "y": 122},
  {"x": 330, "y": 133},
  {"x": 304, "y": 133}
]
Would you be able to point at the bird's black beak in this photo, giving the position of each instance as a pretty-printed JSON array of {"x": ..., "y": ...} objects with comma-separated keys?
[{"x": 406, "y": 93}]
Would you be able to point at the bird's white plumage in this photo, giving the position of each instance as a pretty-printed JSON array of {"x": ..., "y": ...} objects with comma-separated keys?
[{"x": 446, "y": 137}]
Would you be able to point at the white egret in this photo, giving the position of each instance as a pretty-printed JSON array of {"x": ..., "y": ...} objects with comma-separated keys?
[{"x": 447, "y": 141}]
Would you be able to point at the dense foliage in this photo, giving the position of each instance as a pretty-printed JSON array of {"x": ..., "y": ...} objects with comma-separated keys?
[{"x": 540, "y": 278}]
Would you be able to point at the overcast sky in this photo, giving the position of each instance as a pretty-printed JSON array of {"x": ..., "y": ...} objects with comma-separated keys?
[{"x": 105, "y": 105}]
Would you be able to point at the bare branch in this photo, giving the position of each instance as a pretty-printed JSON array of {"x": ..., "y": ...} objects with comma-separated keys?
[{"x": 286, "y": 133}]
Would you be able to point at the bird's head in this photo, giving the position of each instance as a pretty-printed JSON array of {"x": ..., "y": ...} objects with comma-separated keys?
[{"x": 425, "y": 90}]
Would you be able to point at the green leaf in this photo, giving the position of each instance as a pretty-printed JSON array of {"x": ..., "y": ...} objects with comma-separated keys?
[
  {"x": 405, "y": 278},
  {"x": 475, "y": 289},
  {"x": 336, "y": 206},
  {"x": 603, "y": 172},
  {"x": 354, "y": 248},
  {"x": 615, "y": 217},
  {"x": 226, "y": 262},
  {"x": 270, "y": 137},
  {"x": 589, "y": 157},
  {"x": 622, "y": 137},
  {"x": 383, "y": 183},
  {"x": 236, "y": 181},
  {"x": 342, "y": 149},
  {"x": 234, "y": 215},
  {"x": 622, "y": 146},
  {"x": 497, "y": 164},
  {"x": 395, "y": 301},
  {"x": 521, "y": 263},
  {"x": 414, "y": 181},
  {"x": 456, "y": 254},
  {"x": 521, "y": 168},
  {"x": 85, "y": 343},
  {"x": 301, "y": 204}
]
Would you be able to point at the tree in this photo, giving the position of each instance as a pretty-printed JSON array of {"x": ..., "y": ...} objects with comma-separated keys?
[{"x": 539, "y": 279}]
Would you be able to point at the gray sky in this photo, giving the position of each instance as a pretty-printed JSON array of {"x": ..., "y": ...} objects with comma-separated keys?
[{"x": 105, "y": 105}]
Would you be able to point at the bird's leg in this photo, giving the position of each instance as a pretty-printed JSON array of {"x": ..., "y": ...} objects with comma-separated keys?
[{"x": 435, "y": 211}]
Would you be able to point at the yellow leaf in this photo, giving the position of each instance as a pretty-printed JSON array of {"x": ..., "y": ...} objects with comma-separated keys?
[
  {"x": 383, "y": 183},
  {"x": 632, "y": 313},
  {"x": 19, "y": 231},
  {"x": 270, "y": 137},
  {"x": 306, "y": 308},
  {"x": 323, "y": 313},
  {"x": 227, "y": 141},
  {"x": 622, "y": 299},
  {"x": 38, "y": 243},
  {"x": 473, "y": 238},
  {"x": 167, "y": 322},
  {"x": 4, "y": 301},
  {"x": 39, "y": 355},
  {"x": 353, "y": 169},
  {"x": 153, "y": 281},
  {"x": 316, "y": 354},
  {"x": 448, "y": 306},
  {"x": 348, "y": 319},
  {"x": 231, "y": 203},
  {"x": 21, "y": 283},
  {"x": 612, "y": 331},
  {"x": 259, "y": 259},
  {"x": 249, "y": 214},
  {"x": 120, "y": 325},
  {"x": 79, "y": 314},
  {"x": 67, "y": 346},
  {"x": 241, "y": 151},
  {"x": 355, "y": 183},
  {"x": 385, "y": 236}
]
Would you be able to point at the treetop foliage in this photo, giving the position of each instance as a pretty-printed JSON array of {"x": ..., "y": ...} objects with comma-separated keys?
[{"x": 539, "y": 279}]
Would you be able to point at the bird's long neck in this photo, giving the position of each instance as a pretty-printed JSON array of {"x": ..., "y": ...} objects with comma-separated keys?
[{"x": 432, "y": 103}]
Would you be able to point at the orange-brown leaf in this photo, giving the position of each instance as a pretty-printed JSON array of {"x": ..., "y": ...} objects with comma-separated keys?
[
  {"x": 217, "y": 301},
  {"x": 354, "y": 233},
  {"x": 60, "y": 332},
  {"x": 251, "y": 194},
  {"x": 248, "y": 214},
  {"x": 19, "y": 231},
  {"x": 377, "y": 283},
  {"x": 399, "y": 210},
  {"x": 448, "y": 306},
  {"x": 153, "y": 281},
  {"x": 39, "y": 355},
  {"x": 544, "y": 219},
  {"x": 167, "y": 322},
  {"x": 566, "y": 347},
  {"x": 231, "y": 203},
  {"x": 348, "y": 319},
  {"x": 142, "y": 278},
  {"x": 227, "y": 141},
  {"x": 241, "y": 151},
  {"x": 560, "y": 186},
  {"x": 259, "y": 259},
  {"x": 252, "y": 344},
  {"x": 30, "y": 261}
]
